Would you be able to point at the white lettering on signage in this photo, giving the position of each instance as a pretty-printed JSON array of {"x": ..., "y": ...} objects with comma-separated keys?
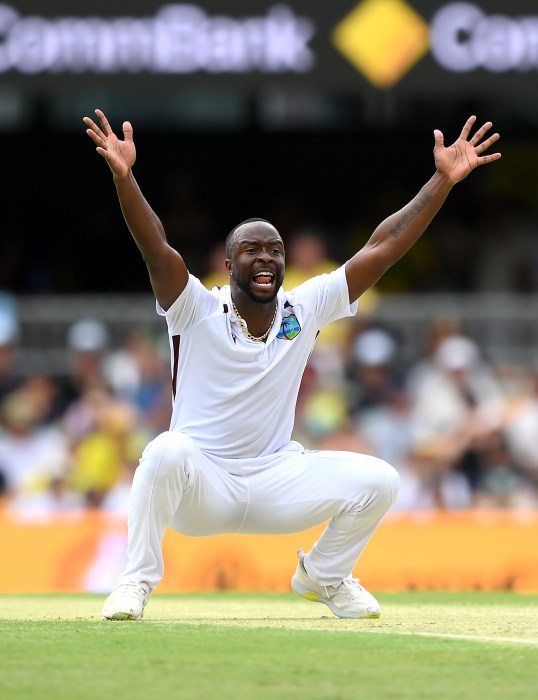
[
  {"x": 180, "y": 38},
  {"x": 463, "y": 38}
]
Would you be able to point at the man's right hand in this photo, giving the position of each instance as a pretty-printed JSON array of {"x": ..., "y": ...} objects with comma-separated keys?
[{"x": 120, "y": 155}]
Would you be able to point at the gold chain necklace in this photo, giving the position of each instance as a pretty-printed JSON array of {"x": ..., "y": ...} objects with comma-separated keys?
[{"x": 245, "y": 329}]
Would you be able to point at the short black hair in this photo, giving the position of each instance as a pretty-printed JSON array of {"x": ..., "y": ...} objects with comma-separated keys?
[{"x": 231, "y": 238}]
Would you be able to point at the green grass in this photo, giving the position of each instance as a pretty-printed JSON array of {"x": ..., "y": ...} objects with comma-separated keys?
[{"x": 261, "y": 646}]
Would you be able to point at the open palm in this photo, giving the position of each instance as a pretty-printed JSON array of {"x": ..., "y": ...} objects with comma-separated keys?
[
  {"x": 465, "y": 154},
  {"x": 120, "y": 155}
]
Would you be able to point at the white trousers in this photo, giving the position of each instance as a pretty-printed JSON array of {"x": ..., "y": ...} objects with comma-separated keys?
[{"x": 178, "y": 486}]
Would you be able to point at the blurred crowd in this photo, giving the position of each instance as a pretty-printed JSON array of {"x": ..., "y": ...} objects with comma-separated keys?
[{"x": 461, "y": 431}]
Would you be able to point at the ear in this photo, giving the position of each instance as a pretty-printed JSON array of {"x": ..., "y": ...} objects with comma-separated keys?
[{"x": 228, "y": 264}]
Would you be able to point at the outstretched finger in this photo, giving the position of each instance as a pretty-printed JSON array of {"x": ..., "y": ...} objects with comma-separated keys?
[
  {"x": 92, "y": 125},
  {"x": 467, "y": 127},
  {"x": 439, "y": 138},
  {"x": 103, "y": 152},
  {"x": 483, "y": 160},
  {"x": 479, "y": 135},
  {"x": 105, "y": 126},
  {"x": 96, "y": 136},
  {"x": 481, "y": 147},
  {"x": 128, "y": 131}
]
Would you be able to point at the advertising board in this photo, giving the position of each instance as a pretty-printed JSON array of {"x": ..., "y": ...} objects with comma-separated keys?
[{"x": 353, "y": 46}]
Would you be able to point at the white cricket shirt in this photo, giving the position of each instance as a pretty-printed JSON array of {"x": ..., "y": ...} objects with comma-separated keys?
[{"x": 233, "y": 396}]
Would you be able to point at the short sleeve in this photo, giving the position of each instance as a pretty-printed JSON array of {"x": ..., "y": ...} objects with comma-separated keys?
[
  {"x": 327, "y": 296},
  {"x": 193, "y": 305}
]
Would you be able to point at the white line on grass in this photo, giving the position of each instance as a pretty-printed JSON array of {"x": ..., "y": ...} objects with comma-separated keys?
[{"x": 466, "y": 637}]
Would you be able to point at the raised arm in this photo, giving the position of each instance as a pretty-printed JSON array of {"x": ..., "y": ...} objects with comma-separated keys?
[
  {"x": 396, "y": 234},
  {"x": 167, "y": 271}
]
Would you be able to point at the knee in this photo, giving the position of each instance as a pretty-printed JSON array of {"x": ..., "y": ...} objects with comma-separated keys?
[
  {"x": 168, "y": 455},
  {"x": 383, "y": 481},
  {"x": 391, "y": 480}
]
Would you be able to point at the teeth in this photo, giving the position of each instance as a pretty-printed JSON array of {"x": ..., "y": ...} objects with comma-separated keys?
[{"x": 264, "y": 274}]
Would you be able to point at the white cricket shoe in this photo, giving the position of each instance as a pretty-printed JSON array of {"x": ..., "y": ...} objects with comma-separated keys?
[
  {"x": 127, "y": 601},
  {"x": 347, "y": 599}
]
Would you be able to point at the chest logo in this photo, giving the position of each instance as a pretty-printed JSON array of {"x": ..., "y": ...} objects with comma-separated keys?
[{"x": 289, "y": 328}]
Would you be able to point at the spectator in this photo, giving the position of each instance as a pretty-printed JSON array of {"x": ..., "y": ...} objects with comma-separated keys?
[
  {"x": 430, "y": 481},
  {"x": 139, "y": 373},
  {"x": 101, "y": 456},
  {"x": 216, "y": 275},
  {"x": 31, "y": 454},
  {"x": 459, "y": 389}
]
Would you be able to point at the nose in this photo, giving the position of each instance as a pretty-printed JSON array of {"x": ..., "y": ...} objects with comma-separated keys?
[{"x": 265, "y": 255}]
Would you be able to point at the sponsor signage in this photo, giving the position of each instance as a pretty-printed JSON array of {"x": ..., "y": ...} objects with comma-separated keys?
[
  {"x": 464, "y": 38},
  {"x": 412, "y": 45},
  {"x": 177, "y": 38}
]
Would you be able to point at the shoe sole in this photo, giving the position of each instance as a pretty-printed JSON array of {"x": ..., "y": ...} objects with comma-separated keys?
[
  {"x": 313, "y": 597},
  {"x": 340, "y": 613},
  {"x": 123, "y": 616}
]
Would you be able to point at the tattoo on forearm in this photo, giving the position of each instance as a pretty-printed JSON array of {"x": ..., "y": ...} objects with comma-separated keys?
[{"x": 411, "y": 214}]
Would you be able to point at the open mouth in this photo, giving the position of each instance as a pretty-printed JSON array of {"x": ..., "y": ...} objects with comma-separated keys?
[{"x": 264, "y": 279}]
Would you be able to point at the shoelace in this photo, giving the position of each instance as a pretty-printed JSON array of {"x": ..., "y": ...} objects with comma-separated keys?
[
  {"x": 348, "y": 584},
  {"x": 134, "y": 588}
]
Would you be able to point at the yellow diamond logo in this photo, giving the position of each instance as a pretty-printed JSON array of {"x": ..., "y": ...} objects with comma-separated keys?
[{"x": 383, "y": 39}]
